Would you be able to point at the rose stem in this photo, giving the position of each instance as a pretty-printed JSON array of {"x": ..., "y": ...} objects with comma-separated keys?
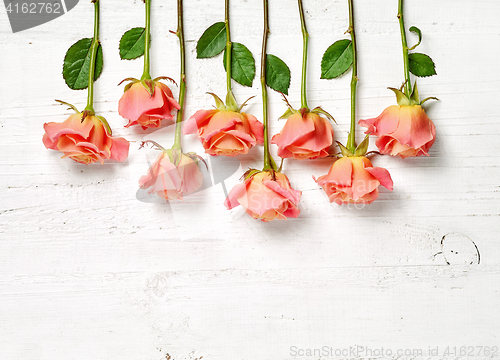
[
  {"x": 145, "y": 74},
  {"x": 268, "y": 160},
  {"x": 93, "y": 53},
  {"x": 305, "y": 39},
  {"x": 182, "y": 91},
  {"x": 228, "y": 47},
  {"x": 351, "y": 140},
  {"x": 406, "y": 59}
]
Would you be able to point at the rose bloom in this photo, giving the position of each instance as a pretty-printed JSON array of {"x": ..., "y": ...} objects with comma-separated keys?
[
  {"x": 353, "y": 179},
  {"x": 224, "y": 132},
  {"x": 264, "y": 198},
  {"x": 140, "y": 108},
  {"x": 305, "y": 136},
  {"x": 84, "y": 141},
  {"x": 402, "y": 131},
  {"x": 172, "y": 182}
]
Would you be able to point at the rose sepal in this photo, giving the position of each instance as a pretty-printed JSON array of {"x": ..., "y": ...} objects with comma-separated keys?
[{"x": 413, "y": 99}]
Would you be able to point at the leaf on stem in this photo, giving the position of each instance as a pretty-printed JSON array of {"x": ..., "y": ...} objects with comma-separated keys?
[
  {"x": 76, "y": 65},
  {"x": 132, "y": 43},
  {"x": 421, "y": 65},
  {"x": 337, "y": 59},
  {"x": 417, "y": 31},
  {"x": 242, "y": 64},
  {"x": 212, "y": 42},
  {"x": 277, "y": 74}
]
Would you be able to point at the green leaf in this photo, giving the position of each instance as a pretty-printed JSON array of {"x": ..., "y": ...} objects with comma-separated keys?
[
  {"x": 132, "y": 43},
  {"x": 421, "y": 65},
  {"x": 337, "y": 59},
  {"x": 212, "y": 42},
  {"x": 77, "y": 64},
  {"x": 277, "y": 74},
  {"x": 417, "y": 31},
  {"x": 242, "y": 64}
]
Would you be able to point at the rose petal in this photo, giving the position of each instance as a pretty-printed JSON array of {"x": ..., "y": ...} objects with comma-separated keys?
[
  {"x": 196, "y": 121},
  {"x": 382, "y": 175},
  {"x": 137, "y": 100},
  {"x": 295, "y": 128}
]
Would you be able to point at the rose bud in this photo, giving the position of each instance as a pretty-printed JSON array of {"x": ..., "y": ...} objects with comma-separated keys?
[
  {"x": 173, "y": 175},
  {"x": 147, "y": 103},
  {"x": 403, "y": 130},
  {"x": 306, "y": 135},
  {"x": 85, "y": 138},
  {"x": 225, "y": 130},
  {"x": 353, "y": 179},
  {"x": 265, "y": 195}
]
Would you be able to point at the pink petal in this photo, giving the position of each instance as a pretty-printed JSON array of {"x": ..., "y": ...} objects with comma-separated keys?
[
  {"x": 292, "y": 211},
  {"x": 385, "y": 123},
  {"x": 363, "y": 182},
  {"x": 295, "y": 127},
  {"x": 72, "y": 125},
  {"x": 168, "y": 97},
  {"x": 381, "y": 175},
  {"x": 192, "y": 178},
  {"x": 320, "y": 138},
  {"x": 232, "y": 199},
  {"x": 149, "y": 179},
  {"x": 242, "y": 136},
  {"x": 119, "y": 149},
  {"x": 220, "y": 121},
  {"x": 197, "y": 121},
  {"x": 282, "y": 187},
  {"x": 256, "y": 128},
  {"x": 259, "y": 198},
  {"x": 340, "y": 173},
  {"x": 136, "y": 101}
]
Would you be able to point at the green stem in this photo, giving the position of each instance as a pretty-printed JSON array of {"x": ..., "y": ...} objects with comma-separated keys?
[
  {"x": 146, "y": 75},
  {"x": 228, "y": 47},
  {"x": 406, "y": 59},
  {"x": 182, "y": 91},
  {"x": 305, "y": 40},
  {"x": 351, "y": 140},
  {"x": 93, "y": 54},
  {"x": 268, "y": 160}
]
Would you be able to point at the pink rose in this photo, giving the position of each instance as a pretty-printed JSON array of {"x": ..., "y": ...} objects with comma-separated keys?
[
  {"x": 403, "y": 131},
  {"x": 264, "y": 198},
  {"x": 84, "y": 141},
  {"x": 171, "y": 181},
  {"x": 141, "y": 108},
  {"x": 353, "y": 179},
  {"x": 225, "y": 132},
  {"x": 306, "y": 136}
]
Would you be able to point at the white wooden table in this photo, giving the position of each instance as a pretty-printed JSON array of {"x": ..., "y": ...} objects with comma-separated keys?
[{"x": 89, "y": 271}]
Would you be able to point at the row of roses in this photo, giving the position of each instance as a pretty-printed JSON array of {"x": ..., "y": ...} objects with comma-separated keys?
[{"x": 403, "y": 130}]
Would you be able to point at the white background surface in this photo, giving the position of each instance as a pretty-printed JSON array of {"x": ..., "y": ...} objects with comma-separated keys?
[{"x": 87, "y": 271}]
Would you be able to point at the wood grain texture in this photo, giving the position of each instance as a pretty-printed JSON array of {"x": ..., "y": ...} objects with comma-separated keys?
[{"x": 88, "y": 271}]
